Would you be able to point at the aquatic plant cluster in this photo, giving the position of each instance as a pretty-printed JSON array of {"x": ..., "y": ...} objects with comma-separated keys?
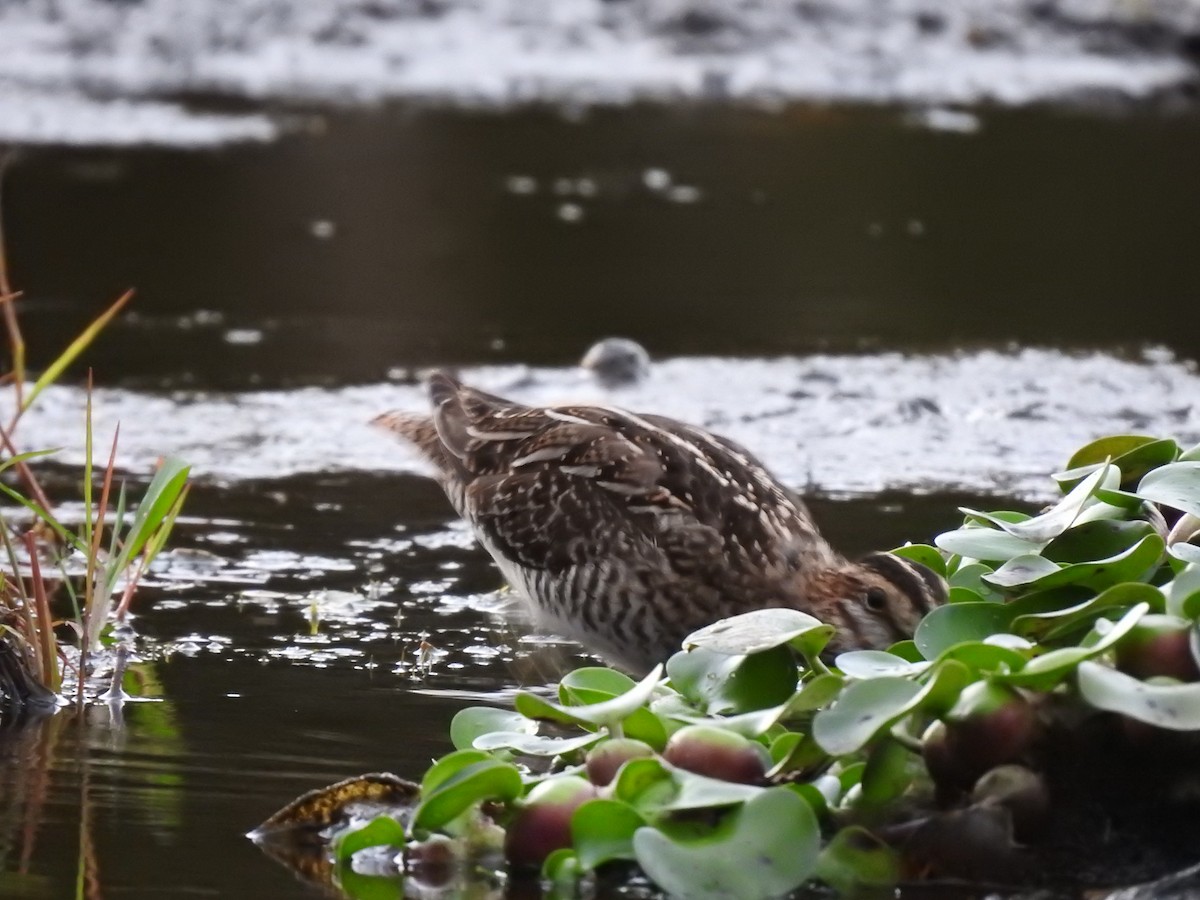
[
  {"x": 750, "y": 745},
  {"x": 60, "y": 577}
]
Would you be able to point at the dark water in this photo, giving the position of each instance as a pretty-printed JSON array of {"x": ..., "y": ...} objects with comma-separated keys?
[{"x": 383, "y": 239}]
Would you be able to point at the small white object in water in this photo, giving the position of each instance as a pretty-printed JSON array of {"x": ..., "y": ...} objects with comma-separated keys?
[
  {"x": 322, "y": 229},
  {"x": 243, "y": 336},
  {"x": 656, "y": 179},
  {"x": 617, "y": 361},
  {"x": 570, "y": 212}
]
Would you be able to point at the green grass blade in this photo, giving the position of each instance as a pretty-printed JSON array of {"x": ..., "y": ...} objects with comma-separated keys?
[
  {"x": 27, "y": 455},
  {"x": 67, "y": 536},
  {"x": 76, "y": 347}
]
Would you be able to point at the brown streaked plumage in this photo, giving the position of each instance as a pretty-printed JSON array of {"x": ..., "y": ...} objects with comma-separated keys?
[{"x": 627, "y": 532}]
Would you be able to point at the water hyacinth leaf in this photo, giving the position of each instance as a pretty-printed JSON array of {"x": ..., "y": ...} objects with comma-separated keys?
[
  {"x": 1188, "y": 553},
  {"x": 561, "y": 871},
  {"x": 652, "y": 786},
  {"x": 1022, "y": 570},
  {"x": 592, "y": 684},
  {"x": 955, "y": 624},
  {"x": 645, "y": 781},
  {"x": 1176, "y": 485},
  {"x": 925, "y": 555},
  {"x": 1179, "y": 589},
  {"x": 970, "y": 578},
  {"x": 607, "y": 712},
  {"x": 1043, "y": 624},
  {"x": 487, "y": 779},
  {"x": 1030, "y": 573},
  {"x": 474, "y": 721},
  {"x": 863, "y": 709},
  {"x": 906, "y": 650},
  {"x": 1192, "y": 453},
  {"x": 1045, "y": 527},
  {"x": 762, "y": 629},
  {"x": 813, "y": 695},
  {"x": 1046, "y": 671},
  {"x": 873, "y": 663},
  {"x": 1133, "y": 454},
  {"x": 777, "y": 830},
  {"x": 891, "y": 768},
  {"x": 718, "y": 683},
  {"x": 1172, "y": 706},
  {"x": 1097, "y": 540},
  {"x": 602, "y": 830},
  {"x": 357, "y": 886},
  {"x": 979, "y": 542},
  {"x": 534, "y": 744},
  {"x": 983, "y": 657},
  {"x": 382, "y": 831},
  {"x": 855, "y": 861},
  {"x": 448, "y": 766}
]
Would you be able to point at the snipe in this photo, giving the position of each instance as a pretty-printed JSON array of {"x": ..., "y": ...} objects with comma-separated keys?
[{"x": 627, "y": 532}]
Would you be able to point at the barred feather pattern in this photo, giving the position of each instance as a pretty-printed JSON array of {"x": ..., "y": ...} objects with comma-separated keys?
[{"x": 627, "y": 532}]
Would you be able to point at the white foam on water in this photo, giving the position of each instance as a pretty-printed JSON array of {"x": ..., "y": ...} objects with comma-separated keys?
[
  {"x": 505, "y": 52},
  {"x": 989, "y": 421}
]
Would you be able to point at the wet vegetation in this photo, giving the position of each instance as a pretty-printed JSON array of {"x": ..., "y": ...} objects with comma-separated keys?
[{"x": 1063, "y": 673}]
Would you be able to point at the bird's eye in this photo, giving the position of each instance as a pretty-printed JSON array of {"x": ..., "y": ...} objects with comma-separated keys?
[{"x": 876, "y": 599}]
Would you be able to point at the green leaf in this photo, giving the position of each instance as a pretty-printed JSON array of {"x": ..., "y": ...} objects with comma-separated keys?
[
  {"x": 475, "y": 721},
  {"x": 970, "y": 577},
  {"x": 979, "y": 542},
  {"x": 1038, "y": 573},
  {"x": 653, "y": 786},
  {"x": 816, "y": 693},
  {"x": 1043, "y": 528},
  {"x": 1097, "y": 540},
  {"x": 356, "y": 886},
  {"x": 776, "y": 830},
  {"x": 1044, "y": 672},
  {"x": 958, "y": 623},
  {"x": 452, "y": 789},
  {"x": 592, "y": 684},
  {"x": 865, "y": 708},
  {"x": 1184, "y": 585},
  {"x": 382, "y": 831},
  {"x": 982, "y": 657},
  {"x": 720, "y": 683},
  {"x": 763, "y": 629},
  {"x": 925, "y": 555},
  {"x": 862, "y": 664},
  {"x": 534, "y": 744},
  {"x": 1043, "y": 624},
  {"x": 1176, "y": 485},
  {"x": 1172, "y": 706},
  {"x": 888, "y": 774},
  {"x": 602, "y": 830},
  {"x": 605, "y": 713},
  {"x": 1133, "y": 454},
  {"x": 855, "y": 861}
]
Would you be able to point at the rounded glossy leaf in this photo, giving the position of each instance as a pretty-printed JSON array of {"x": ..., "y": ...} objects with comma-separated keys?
[
  {"x": 1044, "y": 672},
  {"x": 970, "y": 578},
  {"x": 776, "y": 830},
  {"x": 382, "y": 831},
  {"x": 534, "y": 744},
  {"x": 762, "y": 629},
  {"x": 719, "y": 683},
  {"x": 592, "y": 684},
  {"x": 1173, "y": 706},
  {"x": 653, "y": 786},
  {"x": 1176, "y": 485},
  {"x": 1046, "y": 624},
  {"x": 979, "y": 542},
  {"x": 607, "y": 712},
  {"x": 1188, "y": 553},
  {"x": 1038, "y": 573},
  {"x": 1179, "y": 589},
  {"x": 1097, "y": 540},
  {"x": 815, "y": 694},
  {"x": 925, "y": 555},
  {"x": 958, "y": 623},
  {"x": 602, "y": 830},
  {"x": 1133, "y": 454},
  {"x": 1046, "y": 526},
  {"x": 487, "y": 779},
  {"x": 982, "y": 657},
  {"x": 862, "y": 664},
  {"x": 864, "y": 708},
  {"x": 855, "y": 861},
  {"x": 470, "y": 723}
]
